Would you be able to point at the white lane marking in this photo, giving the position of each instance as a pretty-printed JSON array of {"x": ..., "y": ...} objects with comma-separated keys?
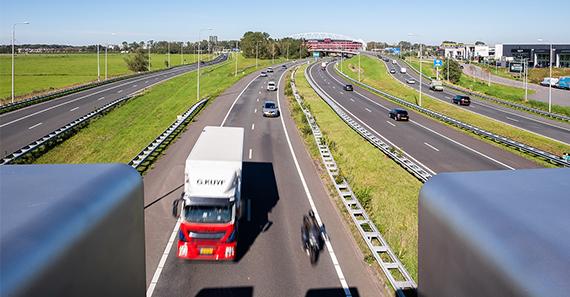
[
  {"x": 333, "y": 87},
  {"x": 514, "y": 120},
  {"x": 252, "y": 126},
  {"x": 431, "y": 146},
  {"x": 448, "y": 97},
  {"x": 255, "y": 110},
  {"x": 259, "y": 93},
  {"x": 74, "y": 109},
  {"x": 391, "y": 123},
  {"x": 135, "y": 86},
  {"x": 351, "y": 99},
  {"x": 368, "y": 110},
  {"x": 237, "y": 98},
  {"x": 162, "y": 261},
  {"x": 119, "y": 91},
  {"x": 32, "y": 127},
  {"x": 249, "y": 210},
  {"x": 257, "y": 99},
  {"x": 342, "y": 93},
  {"x": 437, "y": 133},
  {"x": 101, "y": 98},
  {"x": 250, "y": 153},
  {"x": 146, "y": 81},
  {"x": 337, "y": 267}
]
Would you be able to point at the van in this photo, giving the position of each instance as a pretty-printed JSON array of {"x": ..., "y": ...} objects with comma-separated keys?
[
  {"x": 564, "y": 83},
  {"x": 403, "y": 70},
  {"x": 549, "y": 81},
  {"x": 436, "y": 85}
]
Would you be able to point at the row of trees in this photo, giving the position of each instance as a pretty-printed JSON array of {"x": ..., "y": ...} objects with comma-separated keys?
[{"x": 260, "y": 44}]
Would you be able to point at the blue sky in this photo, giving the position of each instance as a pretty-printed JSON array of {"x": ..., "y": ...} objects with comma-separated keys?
[{"x": 90, "y": 22}]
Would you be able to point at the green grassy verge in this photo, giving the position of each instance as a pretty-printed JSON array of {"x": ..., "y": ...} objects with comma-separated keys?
[
  {"x": 375, "y": 75},
  {"x": 427, "y": 66},
  {"x": 120, "y": 135},
  {"x": 535, "y": 75},
  {"x": 387, "y": 192},
  {"x": 495, "y": 90},
  {"x": 47, "y": 72}
]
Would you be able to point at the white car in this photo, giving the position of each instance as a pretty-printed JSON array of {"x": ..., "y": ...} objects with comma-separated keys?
[
  {"x": 271, "y": 86},
  {"x": 410, "y": 81},
  {"x": 549, "y": 80}
]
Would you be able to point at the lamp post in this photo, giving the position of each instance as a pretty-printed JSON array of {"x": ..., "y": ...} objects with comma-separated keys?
[
  {"x": 256, "y": 52},
  {"x": 237, "y": 55},
  {"x": 182, "y": 53},
  {"x": 13, "y": 41},
  {"x": 359, "y": 69},
  {"x": 149, "y": 46},
  {"x": 550, "y": 77},
  {"x": 198, "y": 74},
  {"x": 98, "y": 66},
  {"x": 420, "y": 54},
  {"x": 168, "y": 53}
]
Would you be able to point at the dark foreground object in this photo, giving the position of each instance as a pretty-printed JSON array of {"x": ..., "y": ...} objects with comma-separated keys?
[
  {"x": 71, "y": 230},
  {"x": 495, "y": 233}
]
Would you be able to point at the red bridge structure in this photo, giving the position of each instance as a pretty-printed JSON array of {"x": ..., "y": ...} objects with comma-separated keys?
[{"x": 330, "y": 43}]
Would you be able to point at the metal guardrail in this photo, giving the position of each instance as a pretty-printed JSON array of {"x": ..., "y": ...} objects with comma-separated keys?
[
  {"x": 471, "y": 128},
  {"x": 56, "y": 94},
  {"x": 374, "y": 240},
  {"x": 497, "y": 100},
  {"x": 150, "y": 149}
]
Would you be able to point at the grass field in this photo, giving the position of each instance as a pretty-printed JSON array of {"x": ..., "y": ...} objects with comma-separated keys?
[
  {"x": 388, "y": 192},
  {"x": 535, "y": 75},
  {"x": 119, "y": 136},
  {"x": 427, "y": 66},
  {"x": 37, "y": 73},
  {"x": 375, "y": 74}
]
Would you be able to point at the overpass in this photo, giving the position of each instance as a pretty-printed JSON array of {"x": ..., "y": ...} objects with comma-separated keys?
[{"x": 330, "y": 43}]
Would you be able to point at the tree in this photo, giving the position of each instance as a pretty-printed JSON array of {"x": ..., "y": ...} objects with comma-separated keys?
[
  {"x": 454, "y": 70},
  {"x": 138, "y": 61}
]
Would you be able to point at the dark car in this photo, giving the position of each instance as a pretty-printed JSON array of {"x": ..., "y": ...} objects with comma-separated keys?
[
  {"x": 461, "y": 100},
  {"x": 348, "y": 88},
  {"x": 283, "y": 66},
  {"x": 399, "y": 114}
]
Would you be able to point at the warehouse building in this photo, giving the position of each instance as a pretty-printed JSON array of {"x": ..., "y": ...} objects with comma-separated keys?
[{"x": 537, "y": 55}]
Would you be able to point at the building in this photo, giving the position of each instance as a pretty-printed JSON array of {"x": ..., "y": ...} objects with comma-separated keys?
[
  {"x": 331, "y": 43},
  {"x": 213, "y": 39},
  {"x": 461, "y": 51},
  {"x": 537, "y": 55}
]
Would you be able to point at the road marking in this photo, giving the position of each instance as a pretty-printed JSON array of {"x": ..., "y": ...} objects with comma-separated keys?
[
  {"x": 119, "y": 92},
  {"x": 391, "y": 123},
  {"x": 448, "y": 97},
  {"x": 368, "y": 110},
  {"x": 146, "y": 81},
  {"x": 237, "y": 98},
  {"x": 32, "y": 127},
  {"x": 514, "y": 120},
  {"x": 351, "y": 99},
  {"x": 249, "y": 210},
  {"x": 252, "y": 126},
  {"x": 162, "y": 261},
  {"x": 255, "y": 110},
  {"x": 135, "y": 86},
  {"x": 341, "y": 92},
  {"x": 74, "y": 109},
  {"x": 101, "y": 98},
  {"x": 431, "y": 146},
  {"x": 337, "y": 267},
  {"x": 250, "y": 153},
  {"x": 257, "y": 99},
  {"x": 259, "y": 93},
  {"x": 334, "y": 87}
]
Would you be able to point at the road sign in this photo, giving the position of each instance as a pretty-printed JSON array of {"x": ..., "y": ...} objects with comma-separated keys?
[
  {"x": 437, "y": 63},
  {"x": 396, "y": 51},
  {"x": 316, "y": 54}
]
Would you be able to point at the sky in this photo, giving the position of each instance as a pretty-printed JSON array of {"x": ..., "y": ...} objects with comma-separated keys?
[{"x": 430, "y": 22}]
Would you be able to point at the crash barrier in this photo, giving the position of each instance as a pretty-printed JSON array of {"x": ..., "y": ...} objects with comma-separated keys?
[
  {"x": 72, "y": 230},
  {"x": 60, "y": 93},
  {"x": 383, "y": 254},
  {"x": 471, "y": 128},
  {"x": 497, "y": 100},
  {"x": 152, "y": 149}
]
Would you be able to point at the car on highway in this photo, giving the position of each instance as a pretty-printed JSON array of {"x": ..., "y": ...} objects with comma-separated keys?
[
  {"x": 564, "y": 83},
  {"x": 461, "y": 100},
  {"x": 348, "y": 88},
  {"x": 436, "y": 85},
  {"x": 271, "y": 86},
  {"x": 269, "y": 70},
  {"x": 284, "y": 66},
  {"x": 410, "y": 81},
  {"x": 549, "y": 81},
  {"x": 263, "y": 74},
  {"x": 386, "y": 60},
  {"x": 270, "y": 109},
  {"x": 394, "y": 62},
  {"x": 393, "y": 71},
  {"x": 399, "y": 114}
]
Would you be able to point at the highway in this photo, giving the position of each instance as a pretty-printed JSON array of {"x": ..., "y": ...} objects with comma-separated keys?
[
  {"x": 534, "y": 123},
  {"x": 431, "y": 144},
  {"x": 23, "y": 126},
  {"x": 279, "y": 181}
]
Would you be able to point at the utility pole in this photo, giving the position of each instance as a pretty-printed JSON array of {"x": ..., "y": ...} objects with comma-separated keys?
[
  {"x": 13, "y": 41},
  {"x": 359, "y": 69},
  {"x": 420, "y": 102},
  {"x": 182, "y": 53},
  {"x": 106, "y": 60},
  {"x": 149, "y": 45},
  {"x": 237, "y": 55},
  {"x": 98, "y": 65},
  {"x": 168, "y": 47},
  {"x": 287, "y": 51}
]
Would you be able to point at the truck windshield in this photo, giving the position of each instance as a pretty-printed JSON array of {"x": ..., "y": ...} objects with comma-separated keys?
[{"x": 208, "y": 213}]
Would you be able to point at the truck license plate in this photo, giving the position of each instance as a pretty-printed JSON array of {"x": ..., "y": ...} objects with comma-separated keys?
[{"x": 206, "y": 251}]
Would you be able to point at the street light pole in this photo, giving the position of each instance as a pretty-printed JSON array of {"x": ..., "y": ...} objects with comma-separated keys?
[
  {"x": 550, "y": 81},
  {"x": 182, "y": 53},
  {"x": 198, "y": 73},
  {"x": 420, "y": 102},
  {"x": 13, "y": 41},
  {"x": 98, "y": 65},
  {"x": 359, "y": 69},
  {"x": 256, "y": 53},
  {"x": 149, "y": 45},
  {"x": 237, "y": 55},
  {"x": 106, "y": 46},
  {"x": 168, "y": 48}
]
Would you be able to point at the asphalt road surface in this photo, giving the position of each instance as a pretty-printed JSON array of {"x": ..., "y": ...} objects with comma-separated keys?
[
  {"x": 559, "y": 97},
  {"x": 534, "y": 123},
  {"x": 431, "y": 144},
  {"x": 271, "y": 261},
  {"x": 23, "y": 126}
]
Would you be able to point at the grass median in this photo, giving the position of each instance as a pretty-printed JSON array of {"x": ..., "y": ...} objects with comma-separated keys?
[
  {"x": 374, "y": 73},
  {"x": 121, "y": 134},
  {"x": 38, "y": 73},
  {"x": 387, "y": 192}
]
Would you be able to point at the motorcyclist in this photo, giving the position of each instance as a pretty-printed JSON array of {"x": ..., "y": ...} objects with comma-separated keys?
[{"x": 311, "y": 233}]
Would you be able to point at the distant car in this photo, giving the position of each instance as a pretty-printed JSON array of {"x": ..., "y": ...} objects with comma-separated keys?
[
  {"x": 410, "y": 81},
  {"x": 348, "y": 88},
  {"x": 270, "y": 109},
  {"x": 461, "y": 100},
  {"x": 269, "y": 70},
  {"x": 399, "y": 114},
  {"x": 564, "y": 83},
  {"x": 436, "y": 85},
  {"x": 394, "y": 62},
  {"x": 393, "y": 71},
  {"x": 271, "y": 86},
  {"x": 263, "y": 74},
  {"x": 549, "y": 81},
  {"x": 283, "y": 66},
  {"x": 386, "y": 60}
]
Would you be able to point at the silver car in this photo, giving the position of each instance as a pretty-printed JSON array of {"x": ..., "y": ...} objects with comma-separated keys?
[
  {"x": 271, "y": 86},
  {"x": 270, "y": 109}
]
